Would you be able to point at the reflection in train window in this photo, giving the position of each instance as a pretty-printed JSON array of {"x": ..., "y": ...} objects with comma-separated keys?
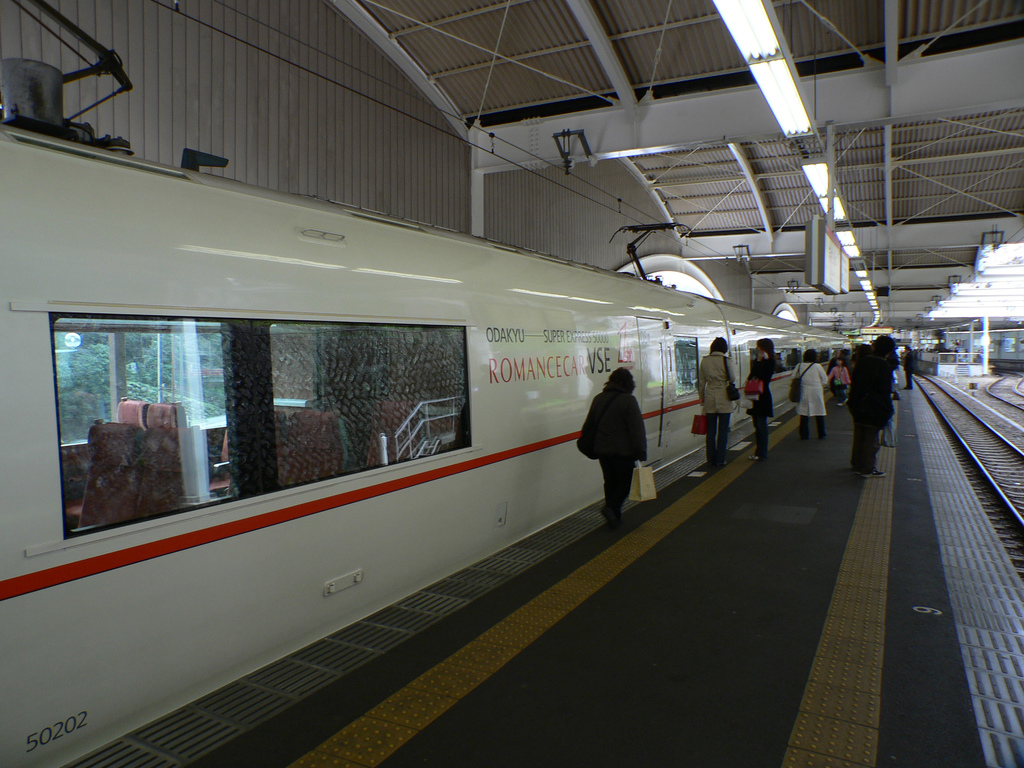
[
  {"x": 349, "y": 397},
  {"x": 140, "y": 403},
  {"x": 686, "y": 366},
  {"x": 163, "y": 415}
]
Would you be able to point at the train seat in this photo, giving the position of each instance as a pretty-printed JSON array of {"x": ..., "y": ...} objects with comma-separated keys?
[
  {"x": 132, "y": 412},
  {"x": 114, "y": 478},
  {"x": 161, "y": 486}
]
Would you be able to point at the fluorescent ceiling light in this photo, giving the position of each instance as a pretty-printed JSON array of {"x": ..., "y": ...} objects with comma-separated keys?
[
  {"x": 750, "y": 27},
  {"x": 1009, "y": 255},
  {"x": 817, "y": 177},
  {"x": 838, "y": 212},
  {"x": 776, "y": 83},
  {"x": 861, "y": 273},
  {"x": 978, "y": 310}
]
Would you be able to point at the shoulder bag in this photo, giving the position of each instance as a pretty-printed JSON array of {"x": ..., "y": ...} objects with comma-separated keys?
[
  {"x": 730, "y": 389},
  {"x": 588, "y": 435},
  {"x": 794, "y": 386}
]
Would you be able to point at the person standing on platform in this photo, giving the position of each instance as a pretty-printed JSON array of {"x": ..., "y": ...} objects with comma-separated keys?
[
  {"x": 620, "y": 439},
  {"x": 762, "y": 369},
  {"x": 839, "y": 378},
  {"x": 713, "y": 376},
  {"x": 908, "y": 368},
  {"x": 870, "y": 405},
  {"x": 812, "y": 394}
]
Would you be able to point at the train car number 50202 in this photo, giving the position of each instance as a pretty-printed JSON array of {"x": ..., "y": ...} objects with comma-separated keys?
[{"x": 57, "y": 730}]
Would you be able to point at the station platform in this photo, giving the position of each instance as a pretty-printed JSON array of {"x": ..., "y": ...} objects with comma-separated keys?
[{"x": 785, "y": 613}]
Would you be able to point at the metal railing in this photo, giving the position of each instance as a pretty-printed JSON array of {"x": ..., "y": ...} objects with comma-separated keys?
[{"x": 425, "y": 430}]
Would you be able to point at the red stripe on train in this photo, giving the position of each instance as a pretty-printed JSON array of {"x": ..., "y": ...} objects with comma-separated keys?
[{"x": 61, "y": 574}]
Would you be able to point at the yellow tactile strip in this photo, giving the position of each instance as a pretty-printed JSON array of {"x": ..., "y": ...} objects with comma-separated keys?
[
  {"x": 839, "y": 715},
  {"x": 368, "y": 741}
]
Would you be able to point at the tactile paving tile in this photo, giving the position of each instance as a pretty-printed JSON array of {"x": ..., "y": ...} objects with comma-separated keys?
[
  {"x": 514, "y": 634},
  {"x": 828, "y": 700},
  {"x": 798, "y": 758},
  {"x": 448, "y": 679},
  {"x": 478, "y": 654},
  {"x": 412, "y": 708},
  {"x": 367, "y": 741},
  {"x": 835, "y": 738},
  {"x": 839, "y": 713},
  {"x": 323, "y": 760},
  {"x": 862, "y": 677}
]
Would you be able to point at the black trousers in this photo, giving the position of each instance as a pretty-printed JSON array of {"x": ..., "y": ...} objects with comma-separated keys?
[
  {"x": 618, "y": 477},
  {"x": 805, "y": 426},
  {"x": 865, "y": 448}
]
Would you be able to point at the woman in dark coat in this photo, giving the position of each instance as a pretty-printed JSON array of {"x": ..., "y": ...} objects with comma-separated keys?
[
  {"x": 763, "y": 369},
  {"x": 620, "y": 439},
  {"x": 870, "y": 404}
]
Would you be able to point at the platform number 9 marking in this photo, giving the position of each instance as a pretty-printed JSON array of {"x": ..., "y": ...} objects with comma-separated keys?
[{"x": 926, "y": 609}]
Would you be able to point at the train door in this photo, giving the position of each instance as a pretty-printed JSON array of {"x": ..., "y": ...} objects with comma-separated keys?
[{"x": 650, "y": 376}]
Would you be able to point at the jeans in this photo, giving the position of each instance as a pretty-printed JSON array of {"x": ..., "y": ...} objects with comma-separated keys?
[
  {"x": 760, "y": 436},
  {"x": 618, "y": 477},
  {"x": 716, "y": 442}
]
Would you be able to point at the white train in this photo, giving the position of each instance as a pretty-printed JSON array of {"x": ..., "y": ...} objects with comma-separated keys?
[{"x": 235, "y": 421}]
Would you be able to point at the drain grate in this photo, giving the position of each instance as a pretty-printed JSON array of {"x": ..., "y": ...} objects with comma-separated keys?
[
  {"x": 243, "y": 704},
  {"x": 187, "y": 734},
  {"x": 372, "y": 636},
  {"x": 502, "y": 565},
  {"x": 439, "y": 605},
  {"x": 400, "y": 618},
  {"x": 123, "y": 754},
  {"x": 291, "y": 677},
  {"x": 479, "y": 578},
  {"x": 337, "y": 657},
  {"x": 454, "y": 588}
]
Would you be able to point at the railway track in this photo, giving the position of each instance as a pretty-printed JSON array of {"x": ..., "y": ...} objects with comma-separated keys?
[
  {"x": 993, "y": 453},
  {"x": 1005, "y": 392}
]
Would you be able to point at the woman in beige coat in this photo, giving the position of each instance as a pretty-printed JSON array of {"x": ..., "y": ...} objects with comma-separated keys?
[{"x": 715, "y": 372}]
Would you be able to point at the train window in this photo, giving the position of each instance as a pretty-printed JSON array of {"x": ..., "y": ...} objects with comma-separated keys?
[
  {"x": 788, "y": 358},
  {"x": 163, "y": 415},
  {"x": 141, "y": 411},
  {"x": 686, "y": 365},
  {"x": 354, "y": 396}
]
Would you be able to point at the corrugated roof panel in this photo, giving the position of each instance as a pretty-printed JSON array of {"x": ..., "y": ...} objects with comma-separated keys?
[{"x": 926, "y": 18}]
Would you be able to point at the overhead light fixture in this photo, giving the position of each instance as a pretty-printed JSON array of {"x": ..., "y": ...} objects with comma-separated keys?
[
  {"x": 752, "y": 30},
  {"x": 776, "y": 83},
  {"x": 750, "y": 27},
  {"x": 817, "y": 177}
]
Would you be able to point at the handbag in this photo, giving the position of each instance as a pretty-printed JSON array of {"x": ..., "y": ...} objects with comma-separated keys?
[
  {"x": 794, "y": 387},
  {"x": 588, "y": 435},
  {"x": 700, "y": 424},
  {"x": 642, "y": 487},
  {"x": 730, "y": 389},
  {"x": 753, "y": 388}
]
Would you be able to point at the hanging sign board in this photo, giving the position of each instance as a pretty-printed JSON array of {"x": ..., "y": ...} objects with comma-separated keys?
[{"x": 824, "y": 258}]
